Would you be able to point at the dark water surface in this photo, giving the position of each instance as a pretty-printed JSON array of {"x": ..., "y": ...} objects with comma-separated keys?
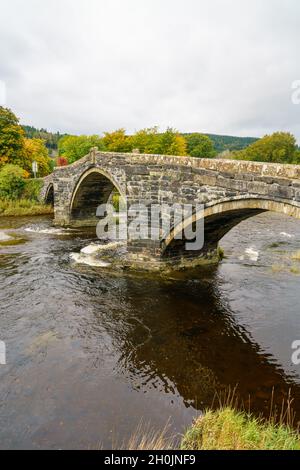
[{"x": 91, "y": 351}]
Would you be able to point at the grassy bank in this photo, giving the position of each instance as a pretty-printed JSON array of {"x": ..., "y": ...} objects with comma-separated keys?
[
  {"x": 224, "y": 429},
  {"x": 227, "y": 429},
  {"x": 22, "y": 207}
]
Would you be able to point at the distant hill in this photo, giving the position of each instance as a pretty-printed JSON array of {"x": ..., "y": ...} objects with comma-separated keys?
[{"x": 227, "y": 142}]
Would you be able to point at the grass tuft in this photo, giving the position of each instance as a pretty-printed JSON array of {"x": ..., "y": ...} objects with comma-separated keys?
[
  {"x": 220, "y": 253},
  {"x": 147, "y": 438},
  {"x": 229, "y": 429}
]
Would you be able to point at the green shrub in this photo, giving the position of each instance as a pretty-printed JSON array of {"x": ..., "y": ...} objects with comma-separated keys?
[
  {"x": 116, "y": 201},
  {"x": 12, "y": 181},
  {"x": 32, "y": 189}
]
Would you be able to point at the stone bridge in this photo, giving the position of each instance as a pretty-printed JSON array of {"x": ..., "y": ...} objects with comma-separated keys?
[{"x": 231, "y": 191}]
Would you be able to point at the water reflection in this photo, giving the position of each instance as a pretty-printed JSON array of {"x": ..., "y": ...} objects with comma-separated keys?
[{"x": 188, "y": 343}]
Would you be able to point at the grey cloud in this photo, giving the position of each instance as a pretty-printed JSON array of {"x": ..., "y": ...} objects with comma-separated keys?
[{"x": 87, "y": 67}]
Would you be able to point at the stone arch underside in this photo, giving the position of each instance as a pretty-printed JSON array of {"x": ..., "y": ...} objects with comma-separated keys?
[
  {"x": 49, "y": 196},
  {"x": 219, "y": 219},
  {"x": 93, "y": 188}
]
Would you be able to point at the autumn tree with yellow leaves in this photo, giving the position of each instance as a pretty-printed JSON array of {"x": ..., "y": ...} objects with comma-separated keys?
[
  {"x": 35, "y": 150},
  {"x": 16, "y": 149}
]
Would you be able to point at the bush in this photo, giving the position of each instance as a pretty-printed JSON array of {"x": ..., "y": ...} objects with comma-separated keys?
[
  {"x": 280, "y": 147},
  {"x": 12, "y": 181},
  {"x": 32, "y": 189},
  {"x": 23, "y": 207}
]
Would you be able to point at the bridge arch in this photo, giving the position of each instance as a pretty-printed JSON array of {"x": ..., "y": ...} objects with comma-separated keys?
[
  {"x": 49, "y": 195},
  {"x": 219, "y": 218},
  {"x": 94, "y": 187}
]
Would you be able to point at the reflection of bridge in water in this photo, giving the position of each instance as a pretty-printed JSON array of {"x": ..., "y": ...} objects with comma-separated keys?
[
  {"x": 191, "y": 346},
  {"x": 231, "y": 191}
]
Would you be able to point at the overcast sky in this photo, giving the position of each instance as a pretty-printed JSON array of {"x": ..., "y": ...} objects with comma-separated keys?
[{"x": 87, "y": 66}]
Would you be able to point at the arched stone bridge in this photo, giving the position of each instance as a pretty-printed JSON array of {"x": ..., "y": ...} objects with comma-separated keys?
[{"x": 231, "y": 191}]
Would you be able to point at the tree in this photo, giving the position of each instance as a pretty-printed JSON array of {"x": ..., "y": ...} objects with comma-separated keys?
[
  {"x": 11, "y": 138},
  {"x": 61, "y": 161},
  {"x": 74, "y": 147},
  {"x": 199, "y": 145},
  {"x": 171, "y": 143},
  {"x": 12, "y": 181},
  {"x": 279, "y": 147},
  {"x": 117, "y": 141},
  {"x": 146, "y": 140},
  {"x": 35, "y": 150},
  {"x": 296, "y": 159}
]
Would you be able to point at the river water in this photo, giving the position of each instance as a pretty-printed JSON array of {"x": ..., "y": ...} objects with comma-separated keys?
[{"x": 92, "y": 351}]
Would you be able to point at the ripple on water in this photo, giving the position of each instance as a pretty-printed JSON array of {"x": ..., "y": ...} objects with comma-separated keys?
[
  {"x": 49, "y": 230},
  {"x": 4, "y": 237},
  {"x": 89, "y": 260}
]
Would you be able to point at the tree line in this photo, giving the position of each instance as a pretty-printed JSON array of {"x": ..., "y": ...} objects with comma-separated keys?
[
  {"x": 280, "y": 147},
  {"x": 21, "y": 145}
]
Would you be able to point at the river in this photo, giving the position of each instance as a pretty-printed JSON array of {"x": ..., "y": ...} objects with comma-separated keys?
[{"x": 92, "y": 350}]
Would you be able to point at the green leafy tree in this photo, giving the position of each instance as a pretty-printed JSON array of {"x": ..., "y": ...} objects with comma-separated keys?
[
  {"x": 296, "y": 159},
  {"x": 171, "y": 143},
  {"x": 74, "y": 147},
  {"x": 199, "y": 145},
  {"x": 146, "y": 140},
  {"x": 11, "y": 138},
  {"x": 279, "y": 147},
  {"x": 12, "y": 181}
]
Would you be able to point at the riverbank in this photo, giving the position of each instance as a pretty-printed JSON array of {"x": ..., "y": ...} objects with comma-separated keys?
[
  {"x": 223, "y": 429},
  {"x": 23, "y": 207}
]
